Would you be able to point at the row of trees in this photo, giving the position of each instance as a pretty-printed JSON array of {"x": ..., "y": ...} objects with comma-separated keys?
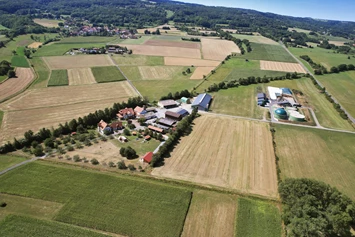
[
  {"x": 177, "y": 95},
  {"x": 191, "y": 39},
  {"x": 313, "y": 208},
  {"x": 239, "y": 42},
  {"x": 183, "y": 128},
  {"x": 320, "y": 69},
  {"x": 75, "y": 125}
]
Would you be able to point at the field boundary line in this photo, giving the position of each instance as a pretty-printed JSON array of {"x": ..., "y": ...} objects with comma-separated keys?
[{"x": 49, "y": 77}]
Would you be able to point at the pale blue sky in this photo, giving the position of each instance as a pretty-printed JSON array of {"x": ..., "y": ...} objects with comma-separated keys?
[{"x": 325, "y": 9}]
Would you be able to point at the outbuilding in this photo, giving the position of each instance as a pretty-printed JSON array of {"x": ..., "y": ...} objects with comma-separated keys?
[
  {"x": 147, "y": 157},
  {"x": 172, "y": 115},
  {"x": 202, "y": 102},
  {"x": 167, "y": 104}
]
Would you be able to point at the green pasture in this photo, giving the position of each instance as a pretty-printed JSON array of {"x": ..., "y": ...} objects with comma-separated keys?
[
  {"x": 105, "y": 202},
  {"x": 257, "y": 218},
  {"x": 86, "y": 39},
  {"x": 107, "y": 74},
  {"x": 58, "y": 49},
  {"x": 42, "y": 72},
  {"x": 317, "y": 154},
  {"x": 3, "y": 27},
  {"x": 19, "y": 61},
  {"x": 7, "y": 161},
  {"x": 138, "y": 145},
  {"x": 3, "y": 78},
  {"x": 169, "y": 13},
  {"x": 138, "y": 60},
  {"x": 140, "y": 40},
  {"x": 58, "y": 78}
]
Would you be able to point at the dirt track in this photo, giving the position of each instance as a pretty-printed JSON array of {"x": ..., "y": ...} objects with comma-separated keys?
[
  {"x": 225, "y": 152},
  {"x": 14, "y": 85},
  {"x": 80, "y": 76}
]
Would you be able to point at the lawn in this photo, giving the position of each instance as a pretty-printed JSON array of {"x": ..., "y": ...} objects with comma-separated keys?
[
  {"x": 21, "y": 226},
  {"x": 138, "y": 60},
  {"x": 107, "y": 74},
  {"x": 58, "y": 78},
  {"x": 7, "y": 161},
  {"x": 110, "y": 203},
  {"x": 327, "y": 58},
  {"x": 257, "y": 218},
  {"x": 322, "y": 155},
  {"x": 237, "y": 101},
  {"x": 342, "y": 87},
  {"x": 42, "y": 72},
  {"x": 140, "y": 40},
  {"x": 58, "y": 49},
  {"x": 3, "y": 78},
  {"x": 140, "y": 147},
  {"x": 268, "y": 52},
  {"x": 19, "y": 61}
]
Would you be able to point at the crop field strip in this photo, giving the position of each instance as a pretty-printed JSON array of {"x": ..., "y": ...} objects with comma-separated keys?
[
  {"x": 200, "y": 72},
  {"x": 19, "y": 61},
  {"x": 7, "y": 161},
  {"x": 210, "y": 214},
  {"x": 120, "y": 204},
  {"x": 281, "y": 67},
  {"x": 216, "y": 49},
  {"x": 173, "y": 61},
  {"x": 162, "y": 43},
  {"x": 80, "y": 76},
  {"x": 257, "y": 218},
  {"x": 58, "y": 78},
  {"x": 42, "y": 72},
  {"x": 232, "y": 162},
  {"x": 15, "y": 85},
  {"x": 139, "y": 60},
  {"x": 329, "y": 157},
  {"x": 256, "y": 39},
  {"x": 70, "y": 62},
  {"x": 159, "y": 72},
  {"x": 107, "y": 74}
]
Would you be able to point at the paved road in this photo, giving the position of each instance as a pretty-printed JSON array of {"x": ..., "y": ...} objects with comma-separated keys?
[
  {"x": 352, "y": 119},
  {"x": 18, "y": 165},
  {"x": 129, "y": 81}
]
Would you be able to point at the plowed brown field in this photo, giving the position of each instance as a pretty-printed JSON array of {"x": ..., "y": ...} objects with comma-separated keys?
[
  {"x": 14, "y": 85},
  {"x": 173, "y": 61},
  {"x": 80, "y": 76},
  {"x": 282, "y": 67},
  {"x": 216, "y": 49},
  {"x": 190, "y": 45},
  {"x": 164, "y": 51},
  {"x": 82, "y": 61},
  {"x": 200, "y": 72},
  {"x": 225, "y": 152}
]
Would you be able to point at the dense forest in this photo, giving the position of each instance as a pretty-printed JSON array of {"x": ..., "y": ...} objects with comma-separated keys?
[{"x": 137, "y": 13}]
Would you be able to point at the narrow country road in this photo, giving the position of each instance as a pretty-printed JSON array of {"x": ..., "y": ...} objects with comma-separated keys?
[
  {"x": 352, "y": 119},
  {"x": 18, "y": 165}
]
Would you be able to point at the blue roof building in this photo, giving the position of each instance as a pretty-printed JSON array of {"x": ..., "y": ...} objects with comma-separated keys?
[
  {"x": 182, "y": 112},
  {"x": 286, "y": 91},
  {"x": 202, "y": 102}
]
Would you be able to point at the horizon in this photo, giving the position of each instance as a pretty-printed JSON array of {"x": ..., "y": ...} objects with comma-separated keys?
[{"x": 326, "y": 10}]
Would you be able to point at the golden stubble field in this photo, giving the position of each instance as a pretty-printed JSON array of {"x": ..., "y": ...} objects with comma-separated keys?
[
  {"x": 159, "y": 72},
  {"x": 217, "y": 49},
  {"x": 81, "y": 61},
  {"x": 173, "y": 61},
  {"x": 48, "y": 107},
  {"x": 80, "y": 76},
  {"x": 225, "y": 152},
  {"x": 200, "y": 72},
  {"x": 281, "y": 67},
  {"x": 24, "y": 76}
]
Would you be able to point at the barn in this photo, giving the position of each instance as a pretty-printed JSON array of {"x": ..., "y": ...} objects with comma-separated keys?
[{"x": 202, "y": 102}]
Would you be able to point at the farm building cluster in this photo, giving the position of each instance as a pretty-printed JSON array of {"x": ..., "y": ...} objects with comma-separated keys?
[{"x": 283, "y": 104}]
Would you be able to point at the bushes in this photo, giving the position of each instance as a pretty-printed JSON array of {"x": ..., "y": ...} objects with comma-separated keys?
[
  {"x": 128, "y": 152},
  {"x": 94, "y": 161}
]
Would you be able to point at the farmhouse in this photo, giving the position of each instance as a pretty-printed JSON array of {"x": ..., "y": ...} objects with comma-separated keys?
[
  {"x": 126, "y": 113},
  {"x": 116, "y": 126},
  {"x": 147, "y": 157},
  {"x": 102, "y": 126},
  {"x": 155, "y": 129},
  {"x": 139, "y": 110},
  {"x": 173, "y": 116},
  {"x": 202, "y": 102},
  {"x": 167, "y": 104}
]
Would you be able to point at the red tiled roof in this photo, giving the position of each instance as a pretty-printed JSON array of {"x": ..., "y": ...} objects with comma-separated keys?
[
  {"x": 147, "y": 137},
  {"x": 102, "y": 124},
  {"x": 148, "y": 157},
  {"x": 138, "y": 109},
  {"x": 126, "y": 111}
]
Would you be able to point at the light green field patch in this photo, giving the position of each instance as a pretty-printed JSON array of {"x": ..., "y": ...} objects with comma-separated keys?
[
  {"x": 7, "y": 161},
  {"x": 19, "y": 61},
  {"x": 317, "y": 154},
  {"x": 3, "y": 78},
  {"x": 107, "y": 74},
  {"x": 58, "y": 49},
  {"x": 169, "y": 13},
  {"x": 138, "y": 60},
  {"x": 58, "y": 78},
  {"x": 299, "y": 30},
  {"x": 3, "y": 27},
  {"x": 257, "y": 218},
  {"x": 140, "y": 40},
  {"x": 42, "y": 72},
  {"x": 86, "y": 40},
  {"x": 256, "y": 39},
  {"x": 140, "y": 147}
]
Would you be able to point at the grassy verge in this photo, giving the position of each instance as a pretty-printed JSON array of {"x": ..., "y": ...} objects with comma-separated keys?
[
  {"x": 95, "y": 200},
  {"x": 107, "y": 74},
  {"x": 19, "y": 61},
  {"x": 3, "y": 78},
  {"x": 58, "y": 78},
  {"x": 21, "y": 226},
  {"x": 257, "y": 218},
  {"x": 42, "y": 72},
  {"x": 7, "y": 161}
]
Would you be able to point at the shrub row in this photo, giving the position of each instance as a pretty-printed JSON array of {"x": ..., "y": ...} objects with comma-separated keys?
[{"x": 320, "y": 69}]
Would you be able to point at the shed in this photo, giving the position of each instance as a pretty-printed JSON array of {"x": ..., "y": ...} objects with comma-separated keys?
[
  {"x": 155, "y": 129},
  {"x": 261, "y": 96},
  {"x": 147, "y": 137},
  {"x": 183, "y": 112},
  {"x": 185, "y": 100},
  {"x": 167, "y": 104},
  {"x": 202, "y": 102},
  {"x": 147, "y": 157},
  {"x": 167, "y": 122},
  {"x": 172, "y": 115}
]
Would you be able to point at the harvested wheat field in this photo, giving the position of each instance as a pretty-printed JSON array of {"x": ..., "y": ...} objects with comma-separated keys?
[
  {"x": 82, "y": 61},
  {"x": 190, "y": 45},
  {"x": 337, "y": 43},
  {"x": 159, "y": 72},
  {"x": 30, "y": 111},
  {"x": 24, "y": 76},
  {"x": 200, "y": 72},
  {"x": 225, "y": 152},
  {"x": 173, "y": 61},
  {"x": 47, "y": 22},
  {"x": 164, "y": 51},
  {"x": 281, "y": 67},
  {"x": 210, "y": 214},
  {"x": 35, "y": 45},
  {"x": 216, "y": 49},
  {"x": 80, "y": 76}
]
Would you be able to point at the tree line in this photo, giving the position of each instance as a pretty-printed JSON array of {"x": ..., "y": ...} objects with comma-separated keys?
[{"x": 319, "y": 69}]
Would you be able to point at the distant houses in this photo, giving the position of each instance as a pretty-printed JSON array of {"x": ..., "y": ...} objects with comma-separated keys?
[{"x": 202, "y": 102}]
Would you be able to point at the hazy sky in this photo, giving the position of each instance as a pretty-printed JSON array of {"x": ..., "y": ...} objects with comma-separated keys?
[{"x": 322, "y": 9}]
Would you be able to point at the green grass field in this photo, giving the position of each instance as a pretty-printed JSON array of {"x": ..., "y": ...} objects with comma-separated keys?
[
  {"x": 19, "y": 61},
  {"x": 323, "y": 56},
  {"x": 107, "y": 74},
  {"x": 7, "y": 161},
  {"x": 86, "y": 40},
  {"x": 141, "y": 40},
  {"x": 3, "y": 78},
  {"x": 257, "y": 218},
  {"x": 342, "y": 87},
  {"x": 268, "y": 53},
  {"x": 140, "y": 147},
  {"x": 58, "y": 78},
  {"x": 255, "y": 39},
  {"x": 239, "y": 101},
  {"x": 42, "y": 72},
  {"x": 21, "y": 226},
  {"x": 58, "y": 49},
  {"x": 312, "y": 153},
  {"x": 124, "y": 205},
  {"x": 138, "y": 60}
]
